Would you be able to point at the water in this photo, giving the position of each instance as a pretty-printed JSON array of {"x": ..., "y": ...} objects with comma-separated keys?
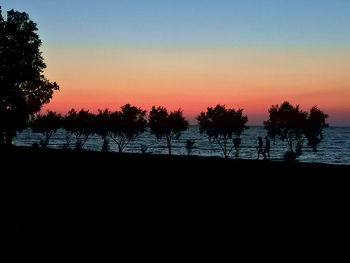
[{"x": 334, "y": 148}]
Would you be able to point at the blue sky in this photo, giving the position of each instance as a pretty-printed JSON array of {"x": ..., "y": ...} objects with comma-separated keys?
[{"x": 222, "y": 22}]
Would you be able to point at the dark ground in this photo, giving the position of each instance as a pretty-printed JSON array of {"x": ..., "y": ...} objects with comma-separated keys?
[{"x": 77, "y": 197}]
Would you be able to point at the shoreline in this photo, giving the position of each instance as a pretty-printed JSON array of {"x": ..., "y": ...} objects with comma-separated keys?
[
  {"x": 330, "y": 152},
  {"x": 28, "y": 154}
]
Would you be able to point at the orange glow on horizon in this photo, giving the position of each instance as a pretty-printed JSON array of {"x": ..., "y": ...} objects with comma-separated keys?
[{"x": 193, "y": 79}]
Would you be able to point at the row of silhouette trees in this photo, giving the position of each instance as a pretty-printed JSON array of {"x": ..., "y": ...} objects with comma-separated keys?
[
  {"x": 121, "y": 126},
  {"x": 222, "y": 125},
  {"x": 24, "y": 90}
]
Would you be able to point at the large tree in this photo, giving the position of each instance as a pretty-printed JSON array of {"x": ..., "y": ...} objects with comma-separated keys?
[
  {"x": 221, "y": 124},
  {"x": 293, "y": 125},
  {"x": 121, "y": 126},
  {"x": 168, "y": 125},
  {"x": 23, "y": 87}
]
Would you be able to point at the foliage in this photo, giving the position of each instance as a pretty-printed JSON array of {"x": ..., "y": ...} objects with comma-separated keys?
[
  {"x": 102, "y": 123},
  {"x": 80, "y": 124},
  {"x": 168, "y": 125},
  {"x": 290, "y": 123},
  {"x": 221, "y": 124},
  {"x": 313, "y": 130},
  {"x": 23, "y": 87},
  {"x": 47, "y": 125},
  {"x": 121, "y": 126}
]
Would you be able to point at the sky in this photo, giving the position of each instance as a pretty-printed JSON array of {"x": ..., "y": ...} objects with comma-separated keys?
[{"x": 191, "y": 54}]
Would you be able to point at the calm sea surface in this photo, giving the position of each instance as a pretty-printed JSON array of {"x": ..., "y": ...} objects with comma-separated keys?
[{"x": 334, "y": 148}]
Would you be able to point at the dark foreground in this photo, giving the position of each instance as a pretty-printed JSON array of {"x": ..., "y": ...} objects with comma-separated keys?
[{"x": 78, "y": 196}]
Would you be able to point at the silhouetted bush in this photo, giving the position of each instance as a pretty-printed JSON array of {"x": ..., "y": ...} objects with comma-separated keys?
[
  {"x": 170, "y": 126},
  {"x": 23, "y": 87},
  {"x": 293, "y": 125},
  {"x": 121, "y": 126},
  {"x": 189, "y": 146},
  {"x": 46, "y": 125},
  {"x": 220, "y": 124},
  {"x": 80, "y": 124},
  {"x": 105, "y": 146}
]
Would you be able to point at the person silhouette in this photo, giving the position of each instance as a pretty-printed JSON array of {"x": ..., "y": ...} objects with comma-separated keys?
[
  {"x": 260, "y": 147},
  {"x": 267, "y": 148}
]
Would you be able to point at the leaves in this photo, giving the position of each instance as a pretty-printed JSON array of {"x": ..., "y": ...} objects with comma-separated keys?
[
  {"x": 122, "y": 126},
  {"x": 221, "y": 124},
  {"x": 163, "y": 124},
  {"x": 23, "y": 87},
  {"x": 290, "y": 123}
]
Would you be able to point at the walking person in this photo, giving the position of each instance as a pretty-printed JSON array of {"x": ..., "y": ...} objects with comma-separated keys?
[
  {"x": 267, "y": 148},
  {"x": 260, "y": 147}
]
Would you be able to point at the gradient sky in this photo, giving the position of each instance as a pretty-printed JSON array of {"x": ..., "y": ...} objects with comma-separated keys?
[{"x": 191, "y": 54}]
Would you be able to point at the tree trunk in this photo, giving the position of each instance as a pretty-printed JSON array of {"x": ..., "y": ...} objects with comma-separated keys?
[
  {"x": 225, "y": 148},
  {"x": 169, "y": 144},
  {"x": 290, "y": 143},
  {"x": 47, "y": 138}
]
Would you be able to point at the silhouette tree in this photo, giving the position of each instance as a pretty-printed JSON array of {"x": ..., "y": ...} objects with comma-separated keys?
[
  {"x": 121, "y": 126},
  {"x": 293, "y": 125},
  {"x": 101, "y": 126},
  {"x": 221, "y": 124},
  {"x": 80, "y": 124},
  {"x": 170, "y": 126},
  {"x": 130, "y": 123},
  {"x": 316, "y": 121},
  {"x": 46, "y": 125},
  {"x": 23, "y": 87}
]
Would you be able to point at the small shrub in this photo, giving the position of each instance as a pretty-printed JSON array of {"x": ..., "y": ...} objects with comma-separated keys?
[
  {"x": 189, "y": 146},
  {"x": 105, "y": 146}
]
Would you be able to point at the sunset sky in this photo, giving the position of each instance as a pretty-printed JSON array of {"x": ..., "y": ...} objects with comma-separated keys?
[{"x": 191, "y": 54}]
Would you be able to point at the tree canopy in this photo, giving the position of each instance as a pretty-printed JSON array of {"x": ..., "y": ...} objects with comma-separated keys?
[
  {"x": 168, "y": 125},
  {"x": 80, "y": 124},
  {"x": 221, "y": 124},
  {"x": 121, "y": 126},
  {"x": 23, "y": 87},
  {"x": 314, "y": 129},
  {"x": 290, "y": 123}
]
